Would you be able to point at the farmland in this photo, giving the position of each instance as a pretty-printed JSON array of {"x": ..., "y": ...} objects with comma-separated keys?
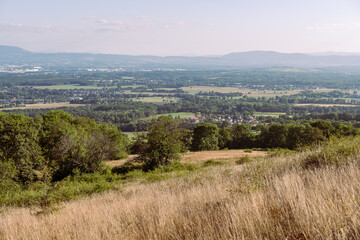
[
  {"x": 247, "y": 91},
  {"x": 68, "y": 86},
  {"x": 325, "y": 105},
  {"x": 156, "y": 100},
  {"x": 44, "y": 106},
  {"x": 268, "y": 114},
  {"x": 174, "y": 115}
]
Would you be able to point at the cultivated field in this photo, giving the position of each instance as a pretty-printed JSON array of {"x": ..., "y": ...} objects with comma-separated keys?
[
  {"x": 326, "y": 105},
  {"x": 70, "y": 86},
  {"x": 268, "y": 114},
  {"x": 174, "y": 115},
  {"x": 147, "y": 93},
  {"x": 269, "y": 198},
  {"x": 156, "y": 100},
  {"x": 45, "y": 106},
  {"x": 248, "y": 92}
]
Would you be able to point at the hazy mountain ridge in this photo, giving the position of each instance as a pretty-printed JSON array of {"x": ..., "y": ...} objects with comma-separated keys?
[{"x": 18, "y": 56}]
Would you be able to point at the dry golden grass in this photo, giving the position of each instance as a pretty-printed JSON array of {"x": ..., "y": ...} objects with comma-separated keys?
[
  {"x": 273, "y": 198},
  {"x": 229, "y": 155},
  {"x": 195, "y": 157},
  {"x": 115, "y": 163}
]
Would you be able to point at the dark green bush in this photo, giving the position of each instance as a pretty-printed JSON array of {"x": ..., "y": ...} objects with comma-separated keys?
[
  {"x": 336, "y": 151},
  {"x": 242, "y": 160}
]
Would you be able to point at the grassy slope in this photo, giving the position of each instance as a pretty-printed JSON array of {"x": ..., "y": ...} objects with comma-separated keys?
[{"x": 309, "y": 195}]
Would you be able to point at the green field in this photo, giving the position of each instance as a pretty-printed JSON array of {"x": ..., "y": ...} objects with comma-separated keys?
[
  {"x": 70, "y": 86},
  {"x": 246, "y": 91},
  {"x": 249, "y": 92},
  {"x": 268, "y": 114},
  {"x": 132, "y": 86},
  {"x": 174, "y": 115},
  {"x": 156, "y": 99}
]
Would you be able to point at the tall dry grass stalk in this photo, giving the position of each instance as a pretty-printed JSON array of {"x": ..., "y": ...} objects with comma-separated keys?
[{"x": 269, "y": 199}]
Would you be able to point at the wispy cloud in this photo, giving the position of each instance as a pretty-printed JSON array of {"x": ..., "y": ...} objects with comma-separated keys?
[
  {"x": 15, "y": 27},
  {"x": 145, "y": 18},
  {"x": 105, "y": 25},
  {"x": 90, "y": 17},
  {"x": 334, "y": 27},
  {"x": 174, "y": 23}
]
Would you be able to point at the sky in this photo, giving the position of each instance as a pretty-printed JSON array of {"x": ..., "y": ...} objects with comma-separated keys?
[{"x": 174, "y": 27}]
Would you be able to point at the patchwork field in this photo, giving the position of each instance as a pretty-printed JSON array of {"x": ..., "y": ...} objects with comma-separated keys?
[
  {"x": 70, "y": 86},
  {"x": 174, "y": 115},
  {"x": 247, "y": 91},
  {"x": 326, "y": 105},
  {"x": 148, "y": 93},
  {"x": 268, "y": 114},
  {"x": 157, "y": 100},
  {"x": 45, "y": 106}
]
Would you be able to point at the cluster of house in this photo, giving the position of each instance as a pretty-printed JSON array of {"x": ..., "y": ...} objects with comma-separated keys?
[
  {"x": 18, "y": 69},
  {"x": 230, "y": 119}
]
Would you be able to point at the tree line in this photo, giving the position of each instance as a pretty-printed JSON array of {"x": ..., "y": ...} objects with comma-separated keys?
[
  {"x": 165, "y": 140},
  {"x": 56, "y": 144}
]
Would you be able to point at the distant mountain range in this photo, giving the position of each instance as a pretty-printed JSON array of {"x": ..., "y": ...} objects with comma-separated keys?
[{"x": 18, "y": 56}]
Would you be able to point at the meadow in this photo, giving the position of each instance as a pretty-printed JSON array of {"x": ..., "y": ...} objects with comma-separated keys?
[
  {"x": 268, "y": 114},
  {"x": 312, "y": 194},
  {"x": 156, "y": 100},
  {"x": 174, "y": 115}
]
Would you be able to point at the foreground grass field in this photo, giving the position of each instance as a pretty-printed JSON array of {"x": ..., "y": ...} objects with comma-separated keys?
[{"x": 313, "y": 194}]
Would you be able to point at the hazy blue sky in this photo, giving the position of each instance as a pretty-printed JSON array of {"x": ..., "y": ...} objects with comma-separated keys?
[{"x": 169, "y": 27}]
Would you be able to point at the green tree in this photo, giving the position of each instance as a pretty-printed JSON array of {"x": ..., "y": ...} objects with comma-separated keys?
[
  {"x": 274, "y": 136},
  {"x": 225, "y": 138},
  {"x": 326, "y": 127},
  {"x": 206, "y": 137},
  {"x": 19, "y": 138},
  {"x": 241, "y": 137},
  {"x": 79, "y": 143},
  {"x": 163, "y": 143},
  {"x": 302, "y": 135}
]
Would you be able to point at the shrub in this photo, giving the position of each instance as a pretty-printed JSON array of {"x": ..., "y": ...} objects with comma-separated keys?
[
  {"x": 163, "y": 143},
  {"x": 213, "y": 162},
  {"x": 336, "y": 151},
  {"x": 242, "y": 160}
]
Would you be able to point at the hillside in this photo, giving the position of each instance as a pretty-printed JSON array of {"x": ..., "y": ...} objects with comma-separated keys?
[
  {"x": 313, "y": 194},
  {"x": 14, "y": 55}
]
